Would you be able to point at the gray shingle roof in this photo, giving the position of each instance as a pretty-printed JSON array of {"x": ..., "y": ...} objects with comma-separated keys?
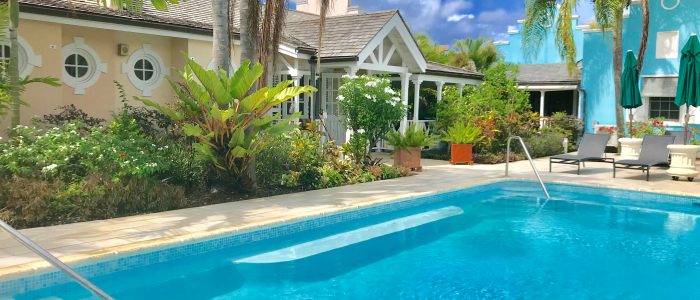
[
  {"x": 344, "y": 36},
  {"x": 191, "y": 13},
  {"x": 438, "y": 68},
  {"x": 546, "y": 74}
]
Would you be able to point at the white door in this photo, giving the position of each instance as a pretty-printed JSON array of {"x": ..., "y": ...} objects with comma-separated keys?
[{"x": 329, "y": 103}]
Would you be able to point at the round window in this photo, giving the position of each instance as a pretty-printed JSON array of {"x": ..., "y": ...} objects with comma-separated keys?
[
  {"x": 76, "y": 66},
  {"x": 144, "y": 70},
  {"x": 82, "y": 66}
]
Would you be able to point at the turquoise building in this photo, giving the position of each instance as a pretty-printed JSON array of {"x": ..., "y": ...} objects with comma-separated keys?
[{"x": 671, "y": 24}]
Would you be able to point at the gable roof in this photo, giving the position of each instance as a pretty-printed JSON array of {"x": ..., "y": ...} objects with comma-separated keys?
[
  {"x": 546, "y": 74},
  {"x": 442, "y": 69},
  {"x": 344, "y": 36}
]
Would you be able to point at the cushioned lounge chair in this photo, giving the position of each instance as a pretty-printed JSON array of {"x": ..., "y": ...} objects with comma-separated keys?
[
  {"x": 654, "y": 152},
  {"x": 680, "y": 135},
  {"x": 592, "y": 148}
]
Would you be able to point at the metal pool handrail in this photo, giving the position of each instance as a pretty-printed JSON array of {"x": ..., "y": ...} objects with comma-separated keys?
[
  {"x": 529, "y": 158},
  {"x": 31, "y": 245}
]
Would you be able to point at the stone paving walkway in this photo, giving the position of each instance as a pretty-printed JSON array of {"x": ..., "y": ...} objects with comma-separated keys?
[{"x": 98, "y": 239}]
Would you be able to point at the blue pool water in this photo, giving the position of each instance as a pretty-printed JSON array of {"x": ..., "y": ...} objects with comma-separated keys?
[{"x": 490, "y": 242}]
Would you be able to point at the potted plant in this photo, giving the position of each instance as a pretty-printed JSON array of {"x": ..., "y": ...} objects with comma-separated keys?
[
  {"x": 408, "y": 146},
  {"x": 462, "y": 137},
  {"x": 630, "y": 146}
]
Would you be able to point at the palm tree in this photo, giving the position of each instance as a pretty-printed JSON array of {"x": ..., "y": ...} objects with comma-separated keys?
[
  {"x": 13, "y": 66},
  {"x": 221, "y": 50},
  {"x": 479, "y": 52},
  {"x": 608, "y": 14},
  {"x": 431, "y": 50}
]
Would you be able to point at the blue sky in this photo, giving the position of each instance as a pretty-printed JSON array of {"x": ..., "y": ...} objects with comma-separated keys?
[{"x": 449, "y": 20}]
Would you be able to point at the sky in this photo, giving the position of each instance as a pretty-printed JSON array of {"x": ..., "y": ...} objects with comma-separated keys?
[{"x": 448, "y": 20}]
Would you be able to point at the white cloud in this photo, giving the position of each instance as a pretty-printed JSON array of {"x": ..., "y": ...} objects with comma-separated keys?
[
  {"x": 454, "y": 7},
  {"x": 456, "y": 18}
]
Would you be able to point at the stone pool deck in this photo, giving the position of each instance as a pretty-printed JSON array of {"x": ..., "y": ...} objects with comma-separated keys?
[{"x": 82, "y": 242}]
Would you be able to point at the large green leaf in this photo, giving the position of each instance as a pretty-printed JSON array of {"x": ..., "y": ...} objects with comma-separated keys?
[
  {"x": 192, "y": 130},
  {"x": 289, "y": 93},
  {"x": 211, "y": 81},
  {"x": 174, "y": 115},
  {"x": 238, "y": 138},
  {"x": 244, "y": 78}
]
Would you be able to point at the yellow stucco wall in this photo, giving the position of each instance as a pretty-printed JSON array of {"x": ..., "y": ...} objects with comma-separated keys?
[{"x": 101, "y": 99}]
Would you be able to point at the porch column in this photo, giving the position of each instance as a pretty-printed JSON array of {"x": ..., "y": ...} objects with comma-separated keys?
[
  {"x": 404, "y": 98},
  {"x": 416, "y": 99},
  {"x": 439, "y": 84},
  {"x": 460, "y": 88},
  {"x": 542, "y": 103},
  {"x": 295, "y": 100}
]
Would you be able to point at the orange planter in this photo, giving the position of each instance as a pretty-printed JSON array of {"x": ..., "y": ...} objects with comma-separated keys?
[
  {"x": 461, "y": 154},
  {"x": 408, "y": 158}
]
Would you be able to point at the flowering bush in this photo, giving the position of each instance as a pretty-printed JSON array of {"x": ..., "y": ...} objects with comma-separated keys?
[
  {"x": 69, "y": 153},
  {"x": 653, "y": 126},
  {"x": 370, "y": 106}
]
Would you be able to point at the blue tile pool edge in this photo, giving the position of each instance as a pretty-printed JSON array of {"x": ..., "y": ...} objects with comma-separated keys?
[{"x": 43, "y": 278}]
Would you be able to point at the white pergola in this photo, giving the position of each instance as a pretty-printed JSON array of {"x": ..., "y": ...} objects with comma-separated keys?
[{"x": 391, "y": 51}]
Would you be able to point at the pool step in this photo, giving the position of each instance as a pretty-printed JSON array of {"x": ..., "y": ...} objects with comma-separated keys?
[{"x": 344, "y": 239}]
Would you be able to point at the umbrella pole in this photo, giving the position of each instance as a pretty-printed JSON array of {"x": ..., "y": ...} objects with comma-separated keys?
[
  {"x": 630, "y": 126},
  {"x": 687, "y": 120}
]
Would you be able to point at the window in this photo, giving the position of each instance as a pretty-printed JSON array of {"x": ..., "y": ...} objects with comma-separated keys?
[
  {"x": 302, "y": 2},
  {"x": 27, "y": 60},
  {"x": 76, "y": 65},
  {"x": 667, "y": 45},
  {"x": 81, "y": 66},
  {"x": 145, "y": 69},
  {"x": 4, "y": 53},
  {"x": 663, "y": 107}
]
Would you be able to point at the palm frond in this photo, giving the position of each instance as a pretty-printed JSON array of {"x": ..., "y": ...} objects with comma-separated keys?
[
  {"x": 137, "y": 5},
  {"x": 4, "y": 20},
  {"x": 539, "y": 16}
]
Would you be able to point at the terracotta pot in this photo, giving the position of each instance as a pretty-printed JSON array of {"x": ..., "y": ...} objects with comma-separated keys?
[
  {"x": 461, "y": 154},
  {"x": 408, "y": 158}
]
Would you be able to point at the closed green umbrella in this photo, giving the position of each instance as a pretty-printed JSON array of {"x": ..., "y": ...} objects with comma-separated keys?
[
  {"x": 688, "y": 92},
  {"x": 629, "y": 94}
]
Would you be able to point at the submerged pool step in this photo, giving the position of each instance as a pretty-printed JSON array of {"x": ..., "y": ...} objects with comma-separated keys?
[{"x": 344, "y": 239}]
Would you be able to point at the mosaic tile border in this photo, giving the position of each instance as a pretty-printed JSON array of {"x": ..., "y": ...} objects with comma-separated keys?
[{"x": 45, "y": 279}]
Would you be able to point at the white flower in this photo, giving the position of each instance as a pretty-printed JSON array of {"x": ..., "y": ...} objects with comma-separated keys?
[
  {"x": 371, "y": 83},
  {"x": 341, "y": 98},
  {"x": 389, "y": 90},
  {"x": 48, "y": 168},
  {"x": 360, "y": 131},
  {"x": 368, "y": 96}
]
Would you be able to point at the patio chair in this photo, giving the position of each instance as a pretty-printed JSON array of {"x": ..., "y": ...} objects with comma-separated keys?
[
  {"x": 654, "y": 152},
  {"x": 592, "y": 148},
  {"x": 680, "y": 135}
]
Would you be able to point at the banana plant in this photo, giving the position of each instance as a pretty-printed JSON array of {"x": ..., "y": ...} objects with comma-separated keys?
[{"x": 224, "y": 118}]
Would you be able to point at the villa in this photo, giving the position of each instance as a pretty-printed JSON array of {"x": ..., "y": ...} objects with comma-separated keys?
[
  {"x": 591, "y": 95},
  {"x": 89, "y": 47},
  {"x": 216, "y": 197}
]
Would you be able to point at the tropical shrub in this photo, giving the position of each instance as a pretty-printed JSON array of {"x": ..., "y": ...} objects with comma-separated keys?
[
  {"x": 462, "y": 133},
  {"x": 452, "y": 108},
  {"x": 568, "y": 125},
  {"x": 413, "y": 137},
  {"x": 370, "y": 106},
  {"x": 356, "y": 147},
  {"x": 71, "y": 114},
  {"x": 227, "y": 121},
  {"x": 546, "y": 143}
]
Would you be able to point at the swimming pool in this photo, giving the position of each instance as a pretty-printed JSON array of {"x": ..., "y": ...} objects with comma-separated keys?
[{"x": 494, "y": 241}]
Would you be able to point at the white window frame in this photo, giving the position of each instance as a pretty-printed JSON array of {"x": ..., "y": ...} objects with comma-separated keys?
[
  {"x": 28, "y": 60},
  {"x": 159, "y": 70},
  {"x": 95, "y": 66}
]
